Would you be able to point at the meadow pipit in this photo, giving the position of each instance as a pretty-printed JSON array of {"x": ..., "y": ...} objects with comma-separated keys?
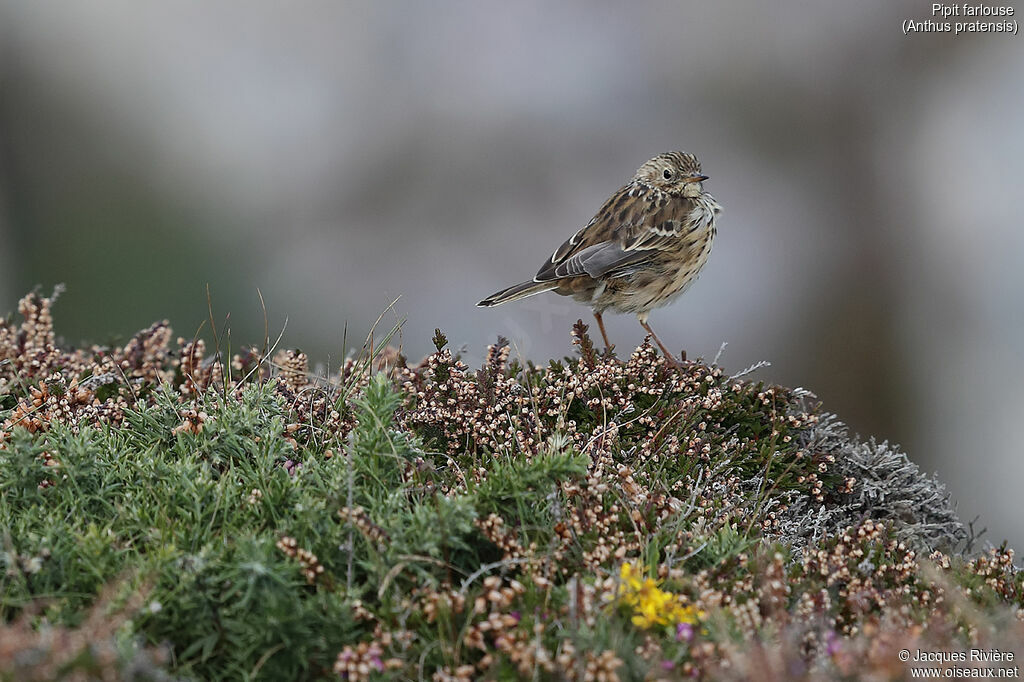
[{"x": 644, "y": 247}]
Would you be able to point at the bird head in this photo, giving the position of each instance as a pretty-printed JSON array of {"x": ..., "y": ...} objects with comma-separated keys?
[{"x": 676, "y": 173}]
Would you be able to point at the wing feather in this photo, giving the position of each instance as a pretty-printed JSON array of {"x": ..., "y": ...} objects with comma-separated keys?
[
  {"x": 631, "y": 227},
  {"x": 599, "y": 260}
]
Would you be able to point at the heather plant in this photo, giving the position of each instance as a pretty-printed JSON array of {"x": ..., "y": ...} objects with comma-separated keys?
[{"x": 169, "y": 512}]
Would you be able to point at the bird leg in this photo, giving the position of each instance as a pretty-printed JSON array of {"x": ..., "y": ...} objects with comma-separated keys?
[
  {"x": 600, "y": 325},
  {"x": 665, "y": 351}
]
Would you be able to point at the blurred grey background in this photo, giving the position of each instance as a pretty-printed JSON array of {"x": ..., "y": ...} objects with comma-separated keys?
[{"x": 337, "y": 155}]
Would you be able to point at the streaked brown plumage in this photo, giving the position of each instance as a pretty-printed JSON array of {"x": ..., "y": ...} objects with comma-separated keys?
[{"x": 644, "y": 247}]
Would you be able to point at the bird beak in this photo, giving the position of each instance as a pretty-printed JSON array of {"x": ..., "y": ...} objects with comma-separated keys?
[{"x": 697, "y": 178}]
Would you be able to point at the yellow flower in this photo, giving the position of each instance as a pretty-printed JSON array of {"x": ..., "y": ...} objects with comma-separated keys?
[
  {"x": 650, "y": 604},
  {"x": 630, "y": 578}
]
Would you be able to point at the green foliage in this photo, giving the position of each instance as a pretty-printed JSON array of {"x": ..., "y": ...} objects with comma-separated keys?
[
  {"x": 720, "y": 550},
  {"x": 428, "y": 520},
  {"x": 146, "y": 504},
  {"x": 525, "y": 488},
  {"x": 379, "y": 451}
]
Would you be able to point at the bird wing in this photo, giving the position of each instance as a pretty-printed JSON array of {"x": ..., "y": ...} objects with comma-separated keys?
[
  {"x": 626, "y": 232},
  {"x": 599, "y": 260}
]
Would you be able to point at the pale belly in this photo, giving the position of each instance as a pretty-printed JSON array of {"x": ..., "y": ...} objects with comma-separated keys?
[{"x": 658, "y": 285}]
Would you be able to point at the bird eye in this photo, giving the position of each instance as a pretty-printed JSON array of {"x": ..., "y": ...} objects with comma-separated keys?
[{"x": 667, "y": 174}]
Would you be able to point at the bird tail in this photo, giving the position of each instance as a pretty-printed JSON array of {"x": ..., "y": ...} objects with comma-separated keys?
[{"x": 516, "y": 292}]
